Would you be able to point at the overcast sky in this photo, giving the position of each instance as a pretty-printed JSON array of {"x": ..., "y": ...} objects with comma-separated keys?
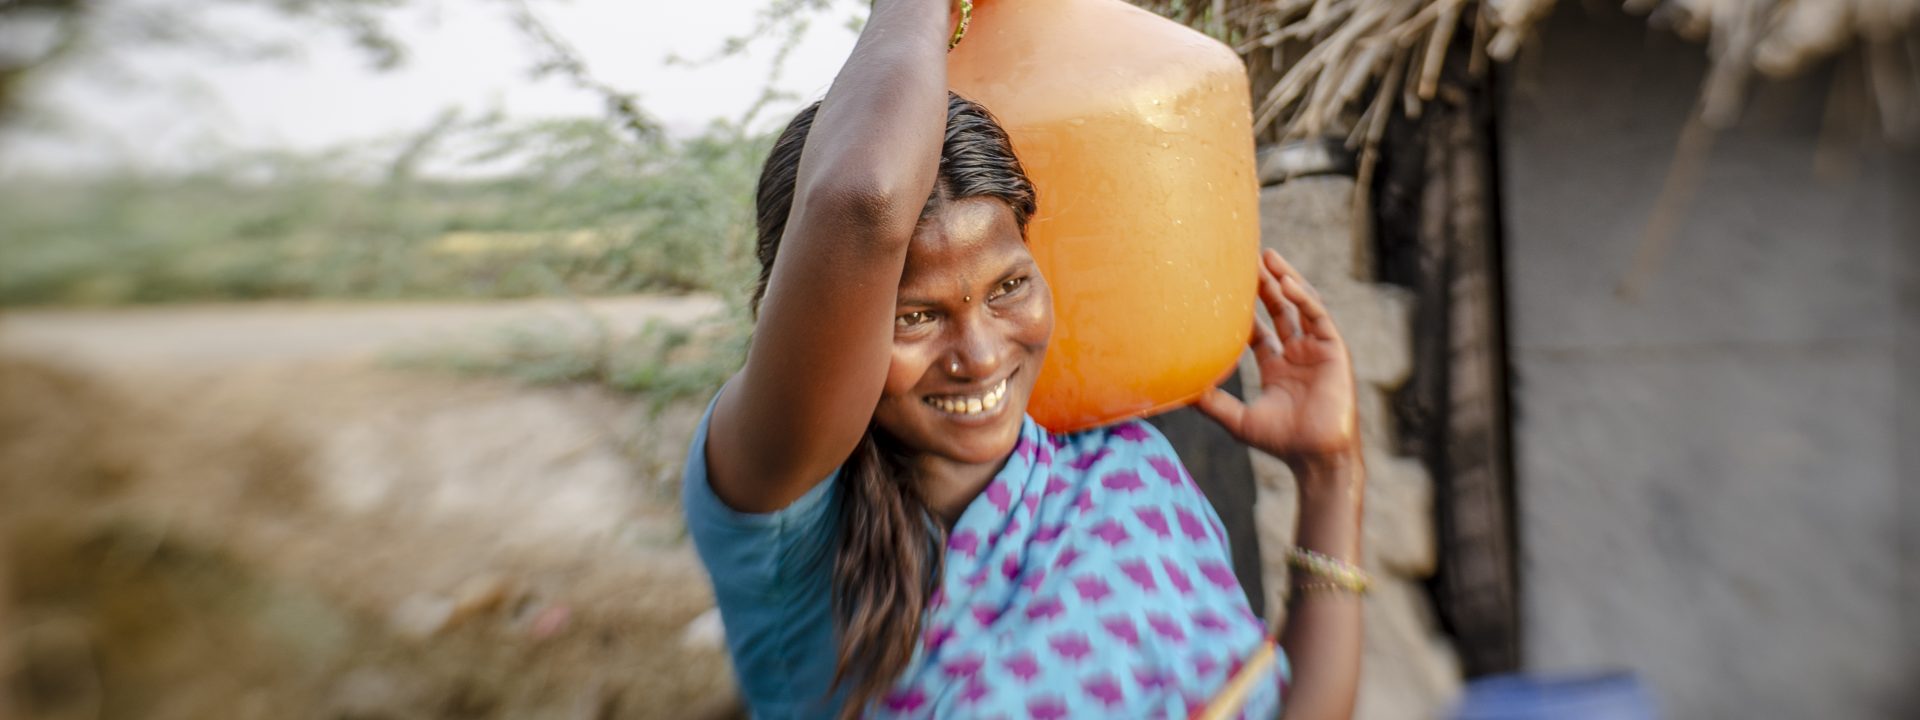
[{"x": 168, "y": 105}]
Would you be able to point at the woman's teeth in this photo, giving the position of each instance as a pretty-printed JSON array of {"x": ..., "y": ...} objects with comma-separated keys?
[{"x": 971, "y": 404}]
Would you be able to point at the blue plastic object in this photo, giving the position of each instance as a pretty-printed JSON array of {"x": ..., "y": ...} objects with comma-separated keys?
[{"x": 1607, "y": 696}]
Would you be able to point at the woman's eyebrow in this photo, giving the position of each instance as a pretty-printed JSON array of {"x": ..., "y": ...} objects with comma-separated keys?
[
  {"x": 1016, "y": 266},
  {"x": 915, "y": 301},
  {"x": 1019, "y": 265}
]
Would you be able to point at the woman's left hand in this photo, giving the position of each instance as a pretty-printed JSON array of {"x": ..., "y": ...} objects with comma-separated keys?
[{"x": 1305, "y": 413}]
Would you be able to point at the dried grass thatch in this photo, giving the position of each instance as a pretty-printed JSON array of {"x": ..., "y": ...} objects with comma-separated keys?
[{"x": 1342, "y": 65}]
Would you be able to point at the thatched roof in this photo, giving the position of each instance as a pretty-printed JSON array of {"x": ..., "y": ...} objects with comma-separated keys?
[{"x": 1342, "y": 65}]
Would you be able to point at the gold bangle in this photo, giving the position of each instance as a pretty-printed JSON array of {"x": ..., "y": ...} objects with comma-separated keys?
[
  {"x": 1324, "y": 588},
  {"x": 1329, "y": 569},
  {"x": 960, "y": 30}
]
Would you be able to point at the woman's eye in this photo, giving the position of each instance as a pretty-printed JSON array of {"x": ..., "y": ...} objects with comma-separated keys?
[
  {"x": 913, "y": 318},
  {"x": 1009, "y": 285}
]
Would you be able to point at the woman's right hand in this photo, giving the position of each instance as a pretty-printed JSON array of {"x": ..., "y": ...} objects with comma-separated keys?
[
  {"x": 1305, "y": 415},
  {"x": 1305, "y": 412}
]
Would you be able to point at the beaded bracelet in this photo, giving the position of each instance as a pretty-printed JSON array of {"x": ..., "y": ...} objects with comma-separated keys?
[
  {"x": 960, "y": 30},
  {"x": 1335, "y": 572},
  {"x": 1322, "y": 586}
]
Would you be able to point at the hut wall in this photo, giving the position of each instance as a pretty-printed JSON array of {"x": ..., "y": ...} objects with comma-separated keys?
[{"x": 1717, "y": 477}]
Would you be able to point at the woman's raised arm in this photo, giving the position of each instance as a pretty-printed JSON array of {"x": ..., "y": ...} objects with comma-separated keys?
[
  {"x": 823, "y": 340},
  {"x": 1306, "y": 415}
]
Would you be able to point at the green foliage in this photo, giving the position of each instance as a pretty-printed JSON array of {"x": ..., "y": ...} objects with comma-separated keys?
[
  {"x": 571, "y": 206},
  {"x": 585, "y": 209}
]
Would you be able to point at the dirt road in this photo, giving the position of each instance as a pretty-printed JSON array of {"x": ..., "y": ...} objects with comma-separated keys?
[
  {"x": 238, "y": 511},
  {"x": 182, "y": 337}
]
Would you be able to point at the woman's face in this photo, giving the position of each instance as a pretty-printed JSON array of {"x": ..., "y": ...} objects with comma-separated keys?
[{"x": 970, "y": 329}]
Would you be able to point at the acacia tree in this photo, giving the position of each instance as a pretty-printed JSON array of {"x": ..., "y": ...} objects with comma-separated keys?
[{"x": 671, "y": 213}]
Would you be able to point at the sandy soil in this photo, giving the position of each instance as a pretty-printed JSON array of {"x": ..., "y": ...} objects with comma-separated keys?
[{"x": 214, "y": 512}]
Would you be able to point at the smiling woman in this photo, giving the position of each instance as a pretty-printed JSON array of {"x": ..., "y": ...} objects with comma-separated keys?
[
  {"x": 973, "y": 323},
  {"x": 890, "y": 534}
]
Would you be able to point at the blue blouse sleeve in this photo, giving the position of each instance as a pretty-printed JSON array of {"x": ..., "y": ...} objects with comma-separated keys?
[
  {"x": 771, "y": 575},
  {"x": 756, "y": 556}
]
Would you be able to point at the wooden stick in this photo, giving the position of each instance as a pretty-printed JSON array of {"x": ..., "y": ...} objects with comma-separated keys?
[
  {"x": 1234, "y": 695},
  {"x": 1441, "y": 37}
]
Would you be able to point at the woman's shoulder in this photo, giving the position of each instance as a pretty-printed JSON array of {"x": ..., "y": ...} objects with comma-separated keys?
[
  {"x": 710, "y": 519},
  {"x": 1130, "y": 464},
  {"x": 1130, "y": 432},
  {"x": 1131, "y": 445}
]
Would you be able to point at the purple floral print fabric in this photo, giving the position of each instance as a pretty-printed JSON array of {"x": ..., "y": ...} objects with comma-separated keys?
[{"x": 1090, "y": 579}]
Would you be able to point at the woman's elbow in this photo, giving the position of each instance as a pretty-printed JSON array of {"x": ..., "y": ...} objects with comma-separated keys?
[{"x": 888, "y": 207}]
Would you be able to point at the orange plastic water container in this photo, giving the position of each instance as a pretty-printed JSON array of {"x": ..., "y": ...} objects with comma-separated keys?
[{"x": 1137, "y": 132}]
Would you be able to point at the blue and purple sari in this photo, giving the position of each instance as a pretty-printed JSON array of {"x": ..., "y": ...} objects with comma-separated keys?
[{"x": 1089, "y": 579}]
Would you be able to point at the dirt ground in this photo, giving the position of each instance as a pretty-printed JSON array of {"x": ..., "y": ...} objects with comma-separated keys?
[{"x": 239, "y": 512}]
